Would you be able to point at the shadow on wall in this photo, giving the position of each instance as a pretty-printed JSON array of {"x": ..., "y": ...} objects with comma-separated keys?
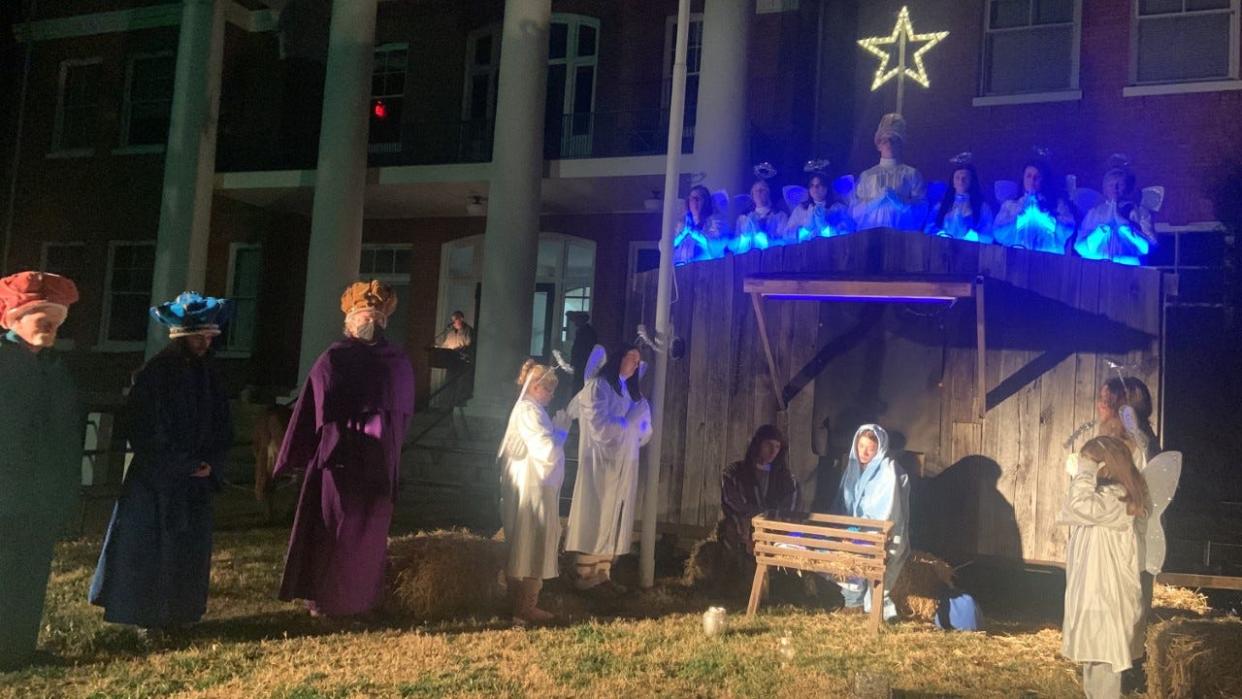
[{"x": 961, "y": 512}]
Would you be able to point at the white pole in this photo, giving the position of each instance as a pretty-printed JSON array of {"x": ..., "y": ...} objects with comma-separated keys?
[
  {"x": 664, "y": 293},
  {"x": 901, "y": 71}
]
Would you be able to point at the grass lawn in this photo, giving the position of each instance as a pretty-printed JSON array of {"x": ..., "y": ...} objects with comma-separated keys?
[{"x": 252, "y": 645}]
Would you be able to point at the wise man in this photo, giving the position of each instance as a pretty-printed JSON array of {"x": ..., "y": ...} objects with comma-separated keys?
[
  {"x": 41, "y": 429},
  {"x": 346, "y": 433}
]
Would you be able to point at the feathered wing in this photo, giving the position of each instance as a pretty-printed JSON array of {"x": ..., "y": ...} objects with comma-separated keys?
[
  {"x": 843, "y": 186},
  {"x": 1087, "y": 199},
  {"x": 794, "y": 195},
  {"x": 720, "y": 200},
  {"x": 1004, "y": 190},
  {"x": 1153, "y": 198},
  {"x": 740, "y": 203},
  {"x": 598, "y": 358},
  {"x": 1162, "y": 475},
  {"x": 935, "y": 191}
]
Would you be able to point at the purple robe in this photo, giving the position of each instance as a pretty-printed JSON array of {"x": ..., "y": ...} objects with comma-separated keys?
[{"x": 346, "y": 431}]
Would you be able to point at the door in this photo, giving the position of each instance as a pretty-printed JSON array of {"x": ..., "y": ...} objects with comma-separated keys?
[{"x": 541, "y": 326}]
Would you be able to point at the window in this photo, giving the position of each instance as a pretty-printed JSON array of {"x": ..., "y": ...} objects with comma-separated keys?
[
  {"x": 1031, "y": 46},
  {"x": 694, "y": 64},
  {"x": 77, "y": 107},
  {"x": 149, "y": 83},
  {"x": 67, "y": 260},
  {"x": 125, "y": 316},
  {"x": 391, "y": 264},
  {"x": 1184, "y": 41},
  {"x": 388, "y": 95},
  {"x": 482, "y": 68},
  {"x": 245, "y": 270}
]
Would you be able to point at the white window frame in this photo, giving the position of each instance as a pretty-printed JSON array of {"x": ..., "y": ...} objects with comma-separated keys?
[
  {"x": 105, "y": 344},
  {"x": 58, "y": 121},
  {"x": 126, "y": 147},
  {"x": 1071, "y": 93},
  {"x": 62, "y": 343},
  {"x": 492, "y": 70},
  {"x": 1229, "y": 82},
  {"x": 670, "y": 47},
  {"x": 390, "y": 146},
  {"x": 231, "y": 293}
]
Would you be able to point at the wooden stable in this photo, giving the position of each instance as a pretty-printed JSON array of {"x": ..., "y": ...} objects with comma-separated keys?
[
  {"x": 841, "y": 547},
  {"x": 892, "y": 327}
]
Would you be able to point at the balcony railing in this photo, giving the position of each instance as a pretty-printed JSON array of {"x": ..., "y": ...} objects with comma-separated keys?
[{"x": 569, "y": 136}]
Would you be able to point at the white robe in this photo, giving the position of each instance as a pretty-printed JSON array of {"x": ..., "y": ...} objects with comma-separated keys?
[
  {"x": 612, "y": 429},
  {"x": 754, "y": 230},
  {"x": 822, "y": 220},
  {"x": 1105, "y": 234},
  {"x": 961, "y": 223},
  {"x": 532, "y": 466},
  {"x": 1103, "y": 597},
  {"x": 889, "y": 195},
  {"x": 1020, "y": 223}
]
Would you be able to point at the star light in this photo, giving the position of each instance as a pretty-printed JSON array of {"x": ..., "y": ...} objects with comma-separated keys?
[{"x": 903, "y": 34}]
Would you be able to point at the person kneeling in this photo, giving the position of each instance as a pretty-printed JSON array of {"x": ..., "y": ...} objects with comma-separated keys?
[{"x": 875, "y": 487}]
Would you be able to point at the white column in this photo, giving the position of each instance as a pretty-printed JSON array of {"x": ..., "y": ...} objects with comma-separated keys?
[
  {"x": 340, "y": 177},
  {"x": 511, "y": 240},
  {"x": 721, "y": 131},
  {"x": 189, "y": 159}
]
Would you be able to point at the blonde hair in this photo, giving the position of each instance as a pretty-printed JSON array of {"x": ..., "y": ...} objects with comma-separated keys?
[
  {"x": 537, "y": 373},
  {"x": 1117, "y": 466}
]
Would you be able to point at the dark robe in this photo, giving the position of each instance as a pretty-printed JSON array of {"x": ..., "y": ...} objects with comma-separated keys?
[
  {"x": 346, "y": 433},
  {"x": 156, "y": 560},
  {"x": 741, "y": 499},
  {"x": 585, "y": 339},
  {"x": 41, "y": 428}
]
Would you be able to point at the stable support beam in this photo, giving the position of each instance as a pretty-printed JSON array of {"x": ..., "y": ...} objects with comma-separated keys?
[
  {"x": 756, "y": 300},
  {"x": 511, "y": 240},
  {"x": 189, "y": 160},
  {"x": 981, "y": 351},
  {"x": 340, "y": 177}
]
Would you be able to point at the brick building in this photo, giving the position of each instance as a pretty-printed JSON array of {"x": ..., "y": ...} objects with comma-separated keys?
[{"x": 1156, "y": 79}]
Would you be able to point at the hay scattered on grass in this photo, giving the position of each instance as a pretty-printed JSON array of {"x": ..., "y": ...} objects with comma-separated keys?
[
  {"x": 1195, "y": 658},
  {"x": 923, "y": 582},
  {"x": 445, "y": 574},
  {"x": 1168, "y": 601}
]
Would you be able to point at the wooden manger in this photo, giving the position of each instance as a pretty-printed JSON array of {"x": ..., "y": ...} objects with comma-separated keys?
[{"x": 842, "y": 547}]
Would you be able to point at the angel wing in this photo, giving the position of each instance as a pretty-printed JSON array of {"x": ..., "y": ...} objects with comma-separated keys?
[
  {"x": 1153, "y": 198},
  {"x": 843, "y": 186},
  {"x": 1129, "y": 420},
  {"x": 720, "y": 201},
  {"x": 794, "y": 195},
  {"x": 1005, "y": 190},
  {"x": 935, "y": 191},
  {"x": 1087, "y": 199},
  {"x": 1162, "y": 475},
  {"x": 597, "y": 360},
  {"x": 642, "y": 369},
  {"x": 740, "y": 204}
]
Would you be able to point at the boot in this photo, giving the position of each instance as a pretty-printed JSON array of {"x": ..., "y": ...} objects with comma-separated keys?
[
  {"x": 526, "y": 611},
  {"x": 589, "y": 572}
]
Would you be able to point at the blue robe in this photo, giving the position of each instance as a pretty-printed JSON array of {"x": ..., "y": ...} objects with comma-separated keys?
[
  {"x": 156, "y": 560},
  {"x": 879, "y": 491},
  {"x": 41, "y": 429}
]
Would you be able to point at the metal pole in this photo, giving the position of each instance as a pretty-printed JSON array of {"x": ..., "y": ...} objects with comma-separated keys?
[
  {"x": 901, "y": 71},
  {"x": 664, "y": 294}
]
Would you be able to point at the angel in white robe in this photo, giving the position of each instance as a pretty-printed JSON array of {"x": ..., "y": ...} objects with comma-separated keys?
[
  {"x": 962, "y": 213},
  {"x": 890, "y": 194},
  {"x": 532, "y": 468},
  {"x": 614, "y": 424},
  {"x": 1039, "y": 218},
  {"x": 1118, "y": 228},
  {"x": 704, "y": 233},
  {"x": 1104, "y": 611},
  {"x": 762, "y": 223},
  {"x": 813, "y": 214}
]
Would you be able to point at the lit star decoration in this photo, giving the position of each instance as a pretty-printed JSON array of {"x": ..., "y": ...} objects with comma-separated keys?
[{"x": 903, "y": 34}]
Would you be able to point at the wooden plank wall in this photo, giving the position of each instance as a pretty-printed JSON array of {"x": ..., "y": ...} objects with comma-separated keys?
[{"x": 1043, "y": 310}]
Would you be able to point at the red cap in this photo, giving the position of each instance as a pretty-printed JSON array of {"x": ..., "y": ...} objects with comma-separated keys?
[{"x": 26, "y": 290}]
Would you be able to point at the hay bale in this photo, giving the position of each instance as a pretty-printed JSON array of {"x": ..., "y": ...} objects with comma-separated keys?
[
  {"x": 707, "y": 566},
  {"x": 1195, "y": 658},
  {"x": 445, "y": 574},
  {"x": 1169, "y": 601},
  {"x": 923, "y": 582}
]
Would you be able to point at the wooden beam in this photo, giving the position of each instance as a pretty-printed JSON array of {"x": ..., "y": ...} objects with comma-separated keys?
[
  {"x": 981, "y": 350},
  {"x": 859, "y": 289},
  {"x": 757, "y": 301},
  {"x": 1214, "y": 582}
]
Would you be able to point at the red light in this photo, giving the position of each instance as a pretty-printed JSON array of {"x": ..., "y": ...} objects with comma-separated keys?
[{"x": 378, "y": 110}]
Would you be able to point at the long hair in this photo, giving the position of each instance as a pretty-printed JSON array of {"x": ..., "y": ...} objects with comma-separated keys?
[
  {"x": 1050, "y": 190},
  {"x": 810, "y": 201},
  {"x": 1117, "y": 466},
  {"x": 776, "y": 202},
  {"x": 975, "y": 194},
  {"x": 763, "y": 434},
  {"x": 706, "y": 210},
  {"x": 611, "y": 371},
  {"x": 1133, "y": 392}
]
